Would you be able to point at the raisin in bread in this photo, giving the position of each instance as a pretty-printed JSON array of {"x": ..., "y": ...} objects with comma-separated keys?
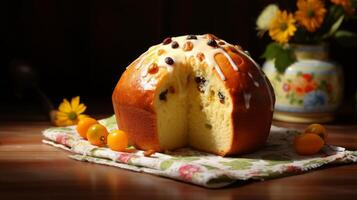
[{"x": 196, "y": 91}]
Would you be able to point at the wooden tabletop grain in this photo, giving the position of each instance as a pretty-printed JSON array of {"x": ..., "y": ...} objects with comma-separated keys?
[{"x": 32, "y": 170}]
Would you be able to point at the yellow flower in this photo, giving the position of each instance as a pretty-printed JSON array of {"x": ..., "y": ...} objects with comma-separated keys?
[
  {"x": 310, "y": 14},
  {"x": 347, "y": 6},
  {"x": 283, "y": 27},
  {"x": 70, "y": 113}
]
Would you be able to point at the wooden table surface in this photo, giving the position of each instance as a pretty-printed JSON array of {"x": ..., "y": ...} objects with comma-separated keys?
[{"x": 32, "y": 170}]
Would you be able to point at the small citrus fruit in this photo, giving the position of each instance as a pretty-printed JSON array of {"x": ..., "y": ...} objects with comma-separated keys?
[
  {"x": 317, "y": 129},
  {"x": 97, "y": 135},
  {"x": 118, "y": 140},
  {"x": 83, "y": 126},
  {"x": 308, "y": 144}
]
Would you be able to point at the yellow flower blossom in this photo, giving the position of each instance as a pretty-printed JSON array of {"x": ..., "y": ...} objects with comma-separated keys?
[
  {"x": 69, "y": 113},
  {"x": 283, "y": 27},
  {"x": 310, "y": 14}
]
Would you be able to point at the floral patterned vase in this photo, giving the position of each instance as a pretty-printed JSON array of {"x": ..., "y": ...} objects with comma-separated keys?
[{"x": 310, "y": 90}]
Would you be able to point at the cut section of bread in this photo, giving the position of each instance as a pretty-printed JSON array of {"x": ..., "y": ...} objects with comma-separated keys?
[{"x": 196, "y": 91}]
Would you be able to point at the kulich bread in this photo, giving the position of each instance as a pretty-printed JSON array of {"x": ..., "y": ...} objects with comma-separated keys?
[{"x": 196, "y": 91}]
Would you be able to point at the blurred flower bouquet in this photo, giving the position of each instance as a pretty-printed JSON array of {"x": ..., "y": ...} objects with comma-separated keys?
[
  {"x": 308, "y": 85},
  {"x": 314, "y": 22}
]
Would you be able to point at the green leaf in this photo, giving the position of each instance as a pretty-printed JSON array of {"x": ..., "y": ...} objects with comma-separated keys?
[
  {"x": 164, "y": 165},
  {"x": 209, "y": 167},
  {"x": 346, "y": 38},
  {"x": 332, "y": 21},
  {"x": 275, "y": 159},
  {"x": 335, "y": 26},
  {"x": 334, "y": 13},
  {"x": 271, "y": 51},
  {"x": 283, "y": 57},
  {"x": 187, "y": 158},
  {"x": 239, "y": 164},
  {"x": 354, "y": 3}
]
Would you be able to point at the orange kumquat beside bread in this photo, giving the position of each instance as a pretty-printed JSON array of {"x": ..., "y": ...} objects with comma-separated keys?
[{"x": 311, "y": 141}]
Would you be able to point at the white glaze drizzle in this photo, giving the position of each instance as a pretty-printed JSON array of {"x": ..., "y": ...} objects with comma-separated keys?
[
  {"x": 263, "y": 76},
  {"x": 213, "y": 62},
  {"x": 247, "y": 97},
  {"x": 254, "y": 81},
  {"x": 233, "y": 64},
  {"x": 220, "y": 73},
  {"x": 199, "y": 46},
  {"x": 146, "y": 71},
  {"x": 143, "y": 56},
  {"x": 141, "y": 60}
]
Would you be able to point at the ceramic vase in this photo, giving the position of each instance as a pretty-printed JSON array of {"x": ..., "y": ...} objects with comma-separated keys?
[{"x": 310, "y": 90}]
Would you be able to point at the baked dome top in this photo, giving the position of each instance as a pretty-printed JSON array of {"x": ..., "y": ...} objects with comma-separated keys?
[
  {"x": 198, "y": 91},
  {"x": 203, "y": 48}
]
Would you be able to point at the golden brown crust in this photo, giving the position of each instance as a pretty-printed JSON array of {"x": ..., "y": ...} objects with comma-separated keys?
[
  {"x": 133, "y": 107},
  {"x": 134, "y": 110},
  {"x": 248, "y": 134}
]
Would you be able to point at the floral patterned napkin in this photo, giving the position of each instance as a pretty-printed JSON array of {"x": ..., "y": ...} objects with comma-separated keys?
[{"x": 277, "y": 159}]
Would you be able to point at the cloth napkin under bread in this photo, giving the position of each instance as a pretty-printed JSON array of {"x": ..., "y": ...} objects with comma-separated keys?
[{"x": 276, "y": 159}]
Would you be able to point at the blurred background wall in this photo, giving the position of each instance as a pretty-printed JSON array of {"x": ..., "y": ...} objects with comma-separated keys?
[{"x": 81, "y": 47}]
